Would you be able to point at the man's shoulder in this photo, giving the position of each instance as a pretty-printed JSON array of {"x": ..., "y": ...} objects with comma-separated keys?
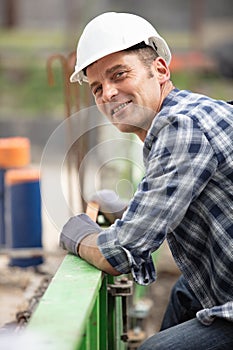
[{"x": 177, "y": 99}]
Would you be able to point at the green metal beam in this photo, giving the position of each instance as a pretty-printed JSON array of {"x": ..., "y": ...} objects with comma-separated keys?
[
  {"x": 77, "y": 312},
  {"x": 68, "y": 311}
]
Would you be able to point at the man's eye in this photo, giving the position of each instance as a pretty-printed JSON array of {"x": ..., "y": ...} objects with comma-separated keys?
[
  {"x": 119, "y": 74},
  {"x": 96, "y": 90}
]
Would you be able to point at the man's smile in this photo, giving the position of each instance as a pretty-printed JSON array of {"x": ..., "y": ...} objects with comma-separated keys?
[{"x": 119, "y": 107}]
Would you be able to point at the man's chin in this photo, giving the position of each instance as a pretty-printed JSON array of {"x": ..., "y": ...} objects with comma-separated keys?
[{"x": 127, "y": 128}]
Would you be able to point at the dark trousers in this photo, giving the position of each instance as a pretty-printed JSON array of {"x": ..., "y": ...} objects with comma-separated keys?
[{"x": 181, "y": 330}]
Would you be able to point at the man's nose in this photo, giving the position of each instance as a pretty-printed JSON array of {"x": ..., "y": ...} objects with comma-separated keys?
[{"x": 109, "y": 92}]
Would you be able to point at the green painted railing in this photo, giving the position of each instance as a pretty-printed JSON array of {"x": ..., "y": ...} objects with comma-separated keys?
[{"x": 77, "y": 312}]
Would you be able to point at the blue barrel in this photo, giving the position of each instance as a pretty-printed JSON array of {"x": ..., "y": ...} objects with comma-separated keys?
[
  {"x": 23, "y": 219},
  {"x": 2, "y": 220},
  {"x": 14, "y": 153}
]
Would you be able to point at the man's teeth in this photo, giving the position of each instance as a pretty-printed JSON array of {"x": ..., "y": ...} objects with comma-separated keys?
[{"x": 117, "y": 109}]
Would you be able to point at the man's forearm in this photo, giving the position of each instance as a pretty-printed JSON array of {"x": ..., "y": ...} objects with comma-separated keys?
[{"x": 89, "y": 251}]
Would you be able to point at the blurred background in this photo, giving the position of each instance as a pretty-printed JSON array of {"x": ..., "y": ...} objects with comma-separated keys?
[
  {"x": 199, "y": 33},
  {"x": 31, "y": 31},
  {"x": 37, "y": 47}
]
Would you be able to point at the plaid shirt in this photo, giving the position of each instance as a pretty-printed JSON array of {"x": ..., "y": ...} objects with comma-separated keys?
[{"x": 185, "y": 196}]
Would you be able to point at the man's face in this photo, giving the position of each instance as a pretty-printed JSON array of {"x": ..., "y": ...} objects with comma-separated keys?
[{"x": 126, "y": 91}]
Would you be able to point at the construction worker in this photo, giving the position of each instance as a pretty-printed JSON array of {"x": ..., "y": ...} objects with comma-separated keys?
[{"x": 186, "y": 195}]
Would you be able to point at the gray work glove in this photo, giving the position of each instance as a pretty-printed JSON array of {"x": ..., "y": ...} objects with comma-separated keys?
[
  {"x": 77, "y": 228},
  {"x": 110, "y": 205}
]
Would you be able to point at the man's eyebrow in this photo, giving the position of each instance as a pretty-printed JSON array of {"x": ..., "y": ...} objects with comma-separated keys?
[{"x": 117, "y": 66}]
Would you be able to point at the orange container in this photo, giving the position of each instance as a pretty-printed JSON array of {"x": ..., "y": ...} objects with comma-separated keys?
[
  {"x": 18, "y": 176},
  {"x": 14, "y": 152}
]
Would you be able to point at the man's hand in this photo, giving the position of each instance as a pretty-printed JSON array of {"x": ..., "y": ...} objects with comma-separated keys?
[
  {"x": 79, "y": 236},
  {"x": 75, "y": 230},
  {"x": 110, "y": 205}
]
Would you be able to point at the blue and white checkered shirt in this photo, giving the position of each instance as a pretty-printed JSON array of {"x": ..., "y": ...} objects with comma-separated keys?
[{"x": 185, "y": 196}]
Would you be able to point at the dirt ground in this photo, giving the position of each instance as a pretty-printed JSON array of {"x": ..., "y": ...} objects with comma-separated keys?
[{"x": 21, "y": 288}]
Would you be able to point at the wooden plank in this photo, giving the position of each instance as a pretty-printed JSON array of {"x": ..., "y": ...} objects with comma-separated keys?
[{"x": 92, "y": 210}]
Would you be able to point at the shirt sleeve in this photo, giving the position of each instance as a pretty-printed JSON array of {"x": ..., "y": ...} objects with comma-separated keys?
[
  {"x": 179, "y": 164},
  {"x": 207, "y": 316}
]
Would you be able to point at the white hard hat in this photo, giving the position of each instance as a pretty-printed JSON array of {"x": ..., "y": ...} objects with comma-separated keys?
[{"x": 112, "y": 32}]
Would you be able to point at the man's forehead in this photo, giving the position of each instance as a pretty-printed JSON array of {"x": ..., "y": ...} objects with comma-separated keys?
[{"x": 113, "y": 62}]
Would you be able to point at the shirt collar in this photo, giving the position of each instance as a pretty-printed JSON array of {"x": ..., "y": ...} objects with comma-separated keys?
[{"x": 151, "y": 132}]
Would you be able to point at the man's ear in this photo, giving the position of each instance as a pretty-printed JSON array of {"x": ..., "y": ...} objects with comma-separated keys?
[{"x": 162, "y": 70}]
